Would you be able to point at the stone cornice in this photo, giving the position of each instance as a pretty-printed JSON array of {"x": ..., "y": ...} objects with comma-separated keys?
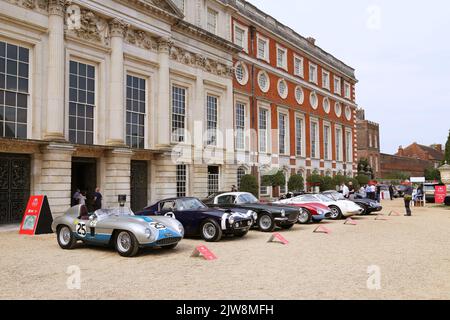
[
  {"x": 151, "y": 6},
  {"x": 192, "y": 30}
]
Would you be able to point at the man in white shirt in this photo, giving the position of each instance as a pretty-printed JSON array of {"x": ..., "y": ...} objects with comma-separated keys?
[{"x": 345, "y": 191}]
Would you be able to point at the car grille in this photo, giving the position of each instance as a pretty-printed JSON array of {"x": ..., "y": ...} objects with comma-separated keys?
[
  {"x": 241, "y": 224},
  {"x": 168, "y": 241},
  {"x": 293, "y": 216}
]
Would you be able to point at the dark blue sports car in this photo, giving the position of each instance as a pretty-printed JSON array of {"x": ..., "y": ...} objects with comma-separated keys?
[{"x": 199, "y": 220}]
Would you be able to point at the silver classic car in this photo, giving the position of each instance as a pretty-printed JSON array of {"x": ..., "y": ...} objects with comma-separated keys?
[{"x": 118, "y": 228}]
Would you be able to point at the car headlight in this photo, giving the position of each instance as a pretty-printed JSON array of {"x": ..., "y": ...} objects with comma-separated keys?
[
  {"x": 283, "y": 213},
  {"x": 231, "y": 219},
  {"x": 181, "y": 229},
  {"x": 148, "y": 233}
]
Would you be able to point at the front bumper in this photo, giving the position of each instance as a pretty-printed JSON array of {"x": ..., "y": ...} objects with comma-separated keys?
[
  {"x": 283, "y": 221},
  {"x": 353, "y": 212},
  {"x": 239, "y": 226},
  {"x": 374, "y": 209},
  {"x": 320, "y": 217}
]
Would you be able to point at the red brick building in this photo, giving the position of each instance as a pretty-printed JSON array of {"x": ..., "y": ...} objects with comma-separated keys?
[
  {"x": 433, "y": 153},
  {"x": 297, "y": 100},
  {"x": 368, "y": 137}
]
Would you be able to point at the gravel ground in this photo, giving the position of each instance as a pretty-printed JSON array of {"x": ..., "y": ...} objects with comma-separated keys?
[{"x": 413, "y": 255}]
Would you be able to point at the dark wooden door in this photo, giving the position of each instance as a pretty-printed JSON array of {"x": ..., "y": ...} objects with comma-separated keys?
[
  {"x": 139, "y": 185},
  {"x": 15, "y": 176}
]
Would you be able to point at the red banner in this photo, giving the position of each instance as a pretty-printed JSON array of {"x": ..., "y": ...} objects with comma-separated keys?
[
  {"x": 37, "y": 218},
  {"x": 440, "y": 194}
]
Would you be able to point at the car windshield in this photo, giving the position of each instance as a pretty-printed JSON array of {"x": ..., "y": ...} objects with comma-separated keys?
[
  {"x": 247, "y": 198},
  {"x": 323, "y": 198},
  {"x": 335, "y": 195},
  {"x": 428, "y": 188},
  {"x": 190, "y": 204},
  {"x": 122, "y": 211},
  {"x": 306, "y": 198}
]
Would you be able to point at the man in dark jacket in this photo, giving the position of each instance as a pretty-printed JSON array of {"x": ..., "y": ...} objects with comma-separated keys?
[
  {"x": 408, "y": 197},
  {"x": 391, "y": 191}
]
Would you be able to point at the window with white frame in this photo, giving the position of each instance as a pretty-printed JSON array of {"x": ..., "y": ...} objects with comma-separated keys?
[
  {"x": 298, "y": 66},
  {"x": 326, "y": 80},
  {"x": 327, "y": 141},
  {"x": 14, "y": 90},
  {"x": 136, "y": 110},
  {"x": 263, "y": 48},
  {"x": 241, "y": 73},
  {"x": 348, "y": 146},
  {"x": 370, "y": 141},
  {"x": 241, "y": 36},
  {"x": 338, "y": 109},
  {"x": 315, "y": 152},
  {"x": 178, "y": 114},
  {"x": 281, "y": 57},
  {"x": 326, "y": 105},
  {"x": 264, "y": 81},
  {"x": 283, "y": 188},
  {"x": 299, "y": 133},
  {"x": 212, "y": 21},
  {"x": 81, "y": 102},
  {"x": 337, "y": 85},
  {"x": 312, "y": 73},
  {"x": 348, "y": 113},
  {"x": 347, "y": 90},
  {"x": 263, "y": 190},
  {"x": 211, "y": 116},
  {"x": 375, "y": 138},
  {"x": 283, "y": 90},
  {"x": 314, "y": 100},
  {"x": 181, "y": 180},
  {"x": 338, "y": 132},
  {"x": 263, "y": 129},
  {"x": 282, "y": 133},
  {"x": 240, "y": 173},
  {"x": 213, "y": 179},
  {"x": 299, "y": 95},
  {"x": 240, "y": 126}
]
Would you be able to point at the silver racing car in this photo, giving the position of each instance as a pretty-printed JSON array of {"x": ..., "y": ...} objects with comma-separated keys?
[{"x": 118, "y": 228}]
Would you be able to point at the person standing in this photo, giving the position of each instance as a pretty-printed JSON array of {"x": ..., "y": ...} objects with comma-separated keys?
[
  {"x": 345, "y": 190},
  {"x": 408, "y": 197},
  {"x": 82, "y": 198},
  {"x": 373, "y": 191},
  {"x": 391, "y": 191},
  {"x": 351, "y": 189},
  {"x": 234, "y": 188},
  {"x": 98, "y": 197},
  {"x": 76, "y": 198}
]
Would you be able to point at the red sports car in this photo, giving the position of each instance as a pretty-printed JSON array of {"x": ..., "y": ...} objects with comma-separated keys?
[{"x": 312, "y": 212}]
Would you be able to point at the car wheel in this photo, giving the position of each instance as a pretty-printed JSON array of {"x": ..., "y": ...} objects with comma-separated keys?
[
  {"x": 266, "y": 223},
  {"x": 211, "y": 231},
  {"x": 241, "y": 234},
  {"x": 287, "y": 226},
  {"x": 366, "y": 209},
  {"x": 305, "y": 217},
  {"x": 126, "y": 244},
  {"x": 336, "y": 213},
  {"x": 66, "y": 239},
  {"x": 170, "y": 247}
]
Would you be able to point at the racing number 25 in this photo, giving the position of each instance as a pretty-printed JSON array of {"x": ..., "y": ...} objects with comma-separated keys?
[{"x": 81, "y": 229}]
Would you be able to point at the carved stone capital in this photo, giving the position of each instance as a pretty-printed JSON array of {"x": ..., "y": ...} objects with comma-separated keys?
[
  {"x": 57, "y": 7},
  {"x": 164, "y": 45},
  {"x": 118, "y": 27}
]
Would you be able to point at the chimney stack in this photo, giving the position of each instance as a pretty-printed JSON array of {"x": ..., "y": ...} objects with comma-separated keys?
[
  {"x": 437, "y": 147},
  {"x": 400, "y": 151},
  {"x": 311, "y": 40}
]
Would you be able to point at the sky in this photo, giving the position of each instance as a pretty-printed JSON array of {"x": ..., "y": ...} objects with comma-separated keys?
[{"x": 401, "y": 53}]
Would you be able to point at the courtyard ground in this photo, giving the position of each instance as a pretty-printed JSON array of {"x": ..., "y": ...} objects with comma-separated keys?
[{"x": 412, "y": 254}]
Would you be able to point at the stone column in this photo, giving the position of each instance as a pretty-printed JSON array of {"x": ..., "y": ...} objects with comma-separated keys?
[
  {"x": 164, "y": 98},
  {"x": 116, "y": 108},
  {"x": 55, "y": 71},
  {"x": 117, "y": 179},
  {"x": 56, "y": 176}
]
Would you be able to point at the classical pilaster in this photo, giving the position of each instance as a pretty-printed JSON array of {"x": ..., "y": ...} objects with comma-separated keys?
[
  {"x": 55, "y": 71},
  {"x": 116, "y": 93},
  {"x": 56, "y": 176},
  {"x": 163, "y": 109},
  {"x": 117, "y": 179}
]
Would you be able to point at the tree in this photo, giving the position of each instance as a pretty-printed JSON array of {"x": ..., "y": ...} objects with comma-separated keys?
[
  {"x": 362, "y": 179},
  {"x": 328, "y": 183},
  {"x": 249, "y": 184},
  {"x": 296, "y": 183},
  {"x": 447, "y": 150},
  {"x": 276, "y": 180},
  {"x": 314, "y": 180},
  {"x": 354, "y": 181},
  {"x": 339, "y": 179},
  {"x": 432, "y": 174}
]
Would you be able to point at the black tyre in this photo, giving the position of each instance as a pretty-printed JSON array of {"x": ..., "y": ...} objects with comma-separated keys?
[
  {"x": 126, "y": 244},
  {"x": 265, "y": 222},
  {"x": 66, "y": 239},
  {"x": 287, "y": 226},
  {"x": 336, "y": 213},
  {"x": 241, "y": 234},
  {"x": 211, "y": 231},
  {"x": 305, "y": 217}
]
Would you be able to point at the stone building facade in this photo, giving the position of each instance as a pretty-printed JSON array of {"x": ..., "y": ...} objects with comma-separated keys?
[
  {"x": 368, "y": 141},
  {"x": 100, "y": 93},
  {"x": 296, "y": 100}
]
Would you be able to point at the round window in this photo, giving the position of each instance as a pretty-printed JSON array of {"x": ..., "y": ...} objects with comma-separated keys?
[
  {"x": 241, "y": 73},
  {"x": 348, "y": 113},
  {"x": 282, "y": 88},
  {"x": 299, "y": 96},
  {"x": 338, "y": 109},
  {"x": 263, "y": 81},
  {"x": 314, "y": 100},
  {"x": 326, "y": 105}
]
